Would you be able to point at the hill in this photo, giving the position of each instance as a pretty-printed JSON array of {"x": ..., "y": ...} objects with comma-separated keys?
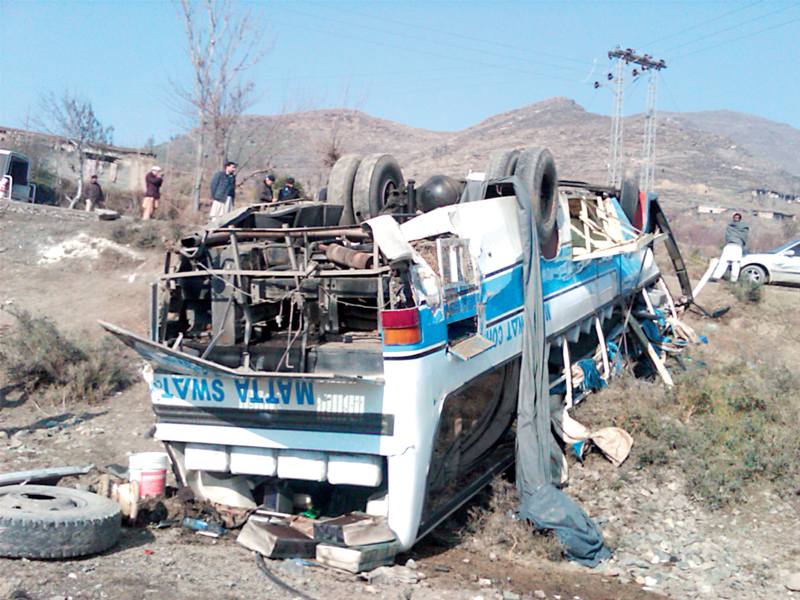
[
  {"x": 777, "y": 143},
  {"x": 718, "y": 157}
]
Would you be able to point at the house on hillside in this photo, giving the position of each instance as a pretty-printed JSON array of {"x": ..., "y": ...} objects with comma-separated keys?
[
  {"x": 704, "y": 209},
  {"x": 115, "y": 166},
  {"x": 759, "y": 194},
  {"x": 777, "y": 216}
]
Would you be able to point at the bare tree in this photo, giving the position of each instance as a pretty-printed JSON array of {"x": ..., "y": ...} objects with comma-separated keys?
[
  {"x": 72, "y": 117},
  {"x": 223, "y": 43},
  {"x": 337, "y": 135}
]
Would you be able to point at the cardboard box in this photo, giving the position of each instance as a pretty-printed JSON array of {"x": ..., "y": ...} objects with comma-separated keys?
[
  {"x": 275, "y": 540},
  {"x": 355, "y": 529},
  {"x": 358, "y": 558}
]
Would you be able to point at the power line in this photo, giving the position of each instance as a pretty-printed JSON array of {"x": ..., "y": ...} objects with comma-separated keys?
[
  {"x": 732, "y": 27},
  {"x": 456, "y": 35},
  {"x": 417, "y": 38},
  {"x": 669, "y": 91},
  {"x": 435, "y": 54},
  {"x": 727, "y": 14},
  {"x": 738, "y": 38}
]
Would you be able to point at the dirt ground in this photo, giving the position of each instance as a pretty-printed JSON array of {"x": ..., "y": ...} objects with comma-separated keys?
[{"x": 46, "y": 268}]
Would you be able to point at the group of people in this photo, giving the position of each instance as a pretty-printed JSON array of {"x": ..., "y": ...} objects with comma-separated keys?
[
  {"x": 223, "y": 191},
  {"x": 152, "y": 194}
]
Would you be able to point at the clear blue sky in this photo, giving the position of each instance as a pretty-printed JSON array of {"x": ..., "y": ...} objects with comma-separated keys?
[{"x": 436, "y": 65}]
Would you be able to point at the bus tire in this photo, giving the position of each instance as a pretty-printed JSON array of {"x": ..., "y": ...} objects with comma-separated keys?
[
  {"x": 502, "y": 163},
  {"x": 378, "y": 175},
  {"x": 42, "y": 521},
  {"x": 537, "y": 170},
  {"x": 340, "y": 186}
]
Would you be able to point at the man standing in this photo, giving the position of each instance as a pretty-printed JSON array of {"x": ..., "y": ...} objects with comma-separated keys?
[
  {"x": 736, "y": 234},
  {"x": 288, "y": 191},
  {"x": 265, "y": 189},
  {"x": 153, "y": 181},
  {"x": 94, "y": 194},
  {"x": 223, "y": 190}
]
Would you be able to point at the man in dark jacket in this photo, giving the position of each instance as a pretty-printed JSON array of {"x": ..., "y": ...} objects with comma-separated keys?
[
  {"x": 264, "y": 192},
  {"x": 288, "y": 191},
  {"x": 152, "y": 194},
  {"x": 223, "y": 190},
  {"x": 736, "y": 234},
  {"x": 94, "y": 194}
]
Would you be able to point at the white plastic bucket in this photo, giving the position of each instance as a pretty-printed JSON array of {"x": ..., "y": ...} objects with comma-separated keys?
[{"x": 150, "y": 470}]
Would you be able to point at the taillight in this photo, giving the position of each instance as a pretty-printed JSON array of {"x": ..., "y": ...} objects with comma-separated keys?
[{"x": 401, "y": 327}]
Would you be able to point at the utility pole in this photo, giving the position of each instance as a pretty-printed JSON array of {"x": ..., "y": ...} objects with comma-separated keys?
[
  {"x": 626, "y": 57},
  {"x": 616, "y": 128},
  {"x": 648, "y": 173}
]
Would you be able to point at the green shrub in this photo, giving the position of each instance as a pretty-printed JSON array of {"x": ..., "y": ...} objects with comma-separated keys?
[
  {"x": 727, "y": 427},
  {"x": 746, "y": 291},
  {"x": 35, "y": 357}
]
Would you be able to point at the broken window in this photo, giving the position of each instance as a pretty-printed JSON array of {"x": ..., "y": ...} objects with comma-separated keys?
[{"x": 596, "y": 229}]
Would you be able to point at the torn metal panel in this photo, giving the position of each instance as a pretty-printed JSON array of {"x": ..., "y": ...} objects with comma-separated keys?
[{"x": 170, "y": 360}]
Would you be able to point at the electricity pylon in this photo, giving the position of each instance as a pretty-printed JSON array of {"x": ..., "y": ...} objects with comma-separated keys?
[{"x": 625, "y": 57}]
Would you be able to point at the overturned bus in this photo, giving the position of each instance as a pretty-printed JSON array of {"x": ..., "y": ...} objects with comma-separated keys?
[{"x": 365, "y": 353}]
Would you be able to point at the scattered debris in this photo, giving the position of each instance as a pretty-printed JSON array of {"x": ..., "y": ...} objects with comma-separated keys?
[
  {"x": 385, "y": 574},
  {"x": 203, "y": 526},
  {"x": 358, "y": 558},
  {"x": 275, "y": 540},
  {"x": 356, "y": 529},
  {"x": 150, "y": 470},
  {"x": 42, "y": 476}
]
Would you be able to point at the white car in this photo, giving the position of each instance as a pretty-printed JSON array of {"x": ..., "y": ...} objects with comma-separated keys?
[{"x": 781, "y": 265}]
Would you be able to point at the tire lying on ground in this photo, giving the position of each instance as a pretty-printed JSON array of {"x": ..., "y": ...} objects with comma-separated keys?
[
  {"x": 340, "y": 185},
  {"x": 377, "y": 176},
  {"x": 41, "y": 521}
]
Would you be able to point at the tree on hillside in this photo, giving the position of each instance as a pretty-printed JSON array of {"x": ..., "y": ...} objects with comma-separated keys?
[
  {"x": 72, "y": 117},
  {"x": 223, "y": 43}
]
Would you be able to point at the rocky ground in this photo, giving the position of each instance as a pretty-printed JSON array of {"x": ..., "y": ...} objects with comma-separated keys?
[{"x": 665, "y": 544}]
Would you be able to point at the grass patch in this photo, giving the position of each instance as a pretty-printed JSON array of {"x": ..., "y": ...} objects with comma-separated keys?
[
  {"x": 728, "y": 427},
  {"x": 746, "y": 291},
  {"x": 35, "y": 357},
  {"x": 490, "y": 527}
]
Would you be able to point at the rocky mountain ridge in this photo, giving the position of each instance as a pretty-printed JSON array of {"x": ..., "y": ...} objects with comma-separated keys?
[{"x": 717, "y": 157}]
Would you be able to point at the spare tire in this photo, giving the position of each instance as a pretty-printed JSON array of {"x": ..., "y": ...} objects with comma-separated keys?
[
  {"x": 537, "y": 170},
  {"x": 377, "y": 176},
  {"x": 42, "y": 521},
  {"x": 502, "y": 163},
  {"x": 340, "y": 186}
]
